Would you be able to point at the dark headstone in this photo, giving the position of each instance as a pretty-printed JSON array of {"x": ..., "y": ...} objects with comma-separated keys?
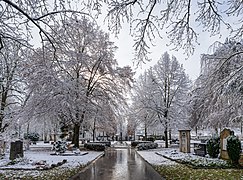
[
  {"x": 16, "y": 150},
  {"x": 200, "y": 149}
]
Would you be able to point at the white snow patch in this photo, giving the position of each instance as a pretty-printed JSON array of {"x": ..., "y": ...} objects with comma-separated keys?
[
  {"x": 31, "y": 157},
  {"x": 168, "y": 156},
  {"x": 152, "y": 158},
  {"x": 28, "y": 166},
  {"x": 174, "y": 154}
]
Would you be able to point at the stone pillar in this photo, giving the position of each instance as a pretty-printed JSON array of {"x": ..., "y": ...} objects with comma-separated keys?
[
  {"x": 223, "y": 144},
  {"x": 16, "y": 150},
  {"x": 184, "y": 138}
]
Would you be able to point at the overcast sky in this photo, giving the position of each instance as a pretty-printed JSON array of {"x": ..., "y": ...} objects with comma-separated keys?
[{"x": 124, "y": 54}]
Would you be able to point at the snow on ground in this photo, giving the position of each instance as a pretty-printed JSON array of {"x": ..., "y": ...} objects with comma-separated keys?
[
  {"x": 34, "y": 158},
  {"x": 169, "y": 156},
  {"x": 174, "y": 154},
  {"x": 31, "y": 158},
  {"x": 152, "y": 158},
  {"x": 118, "y": 144}
]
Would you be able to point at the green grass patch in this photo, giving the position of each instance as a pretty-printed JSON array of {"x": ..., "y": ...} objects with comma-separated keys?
[{"x": 183, "y": 172}]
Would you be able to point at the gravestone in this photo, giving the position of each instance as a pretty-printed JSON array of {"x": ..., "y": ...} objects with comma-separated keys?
[
  {"x": 223, "y": 143},
  {"x": 200, "y": 149},
  {"x": 184, "y": 139},
  {"x": 16, "y": 150}
]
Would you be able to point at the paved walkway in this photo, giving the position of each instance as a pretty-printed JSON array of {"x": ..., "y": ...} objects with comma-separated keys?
[{"x": 119, "y": 164}]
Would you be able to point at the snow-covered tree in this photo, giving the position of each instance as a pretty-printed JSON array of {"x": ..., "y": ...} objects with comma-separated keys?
[
  {"x": 83, "y": 73},
  {"x": 217, "y": 98},
  {"x": 12, "y": 94},
  {"x": 165, "y": 95},
  {"x": 133, "y": 121},
  {"x": 21, "y": 21},
  {"x": 172, "y": 87},
  {"x": 141, "y": 108},
  {"x": 103, "y": 119}
]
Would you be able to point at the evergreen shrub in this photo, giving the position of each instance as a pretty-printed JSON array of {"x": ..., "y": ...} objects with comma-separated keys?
[
  {"x": 95, "y": 146},
  {"x": 135, "y": 143},
  {"x": 32, "y": 136},
  {"x": 213, "y": 146},
  {"x": 234, "y": 148}
]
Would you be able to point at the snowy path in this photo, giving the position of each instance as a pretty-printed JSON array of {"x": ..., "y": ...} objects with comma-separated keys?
[{"x": 119, "y": 163}]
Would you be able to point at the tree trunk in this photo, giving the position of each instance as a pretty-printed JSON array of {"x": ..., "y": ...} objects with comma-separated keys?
[
  {"x": 55, "y": 137},
  {"x": 166, "y": 129},
  {"x": 145, "y": 133},
  {"x": 55, "y": 133},
  {"x": 44, "y": 132},
  {"x": 94, "y": 130},
  {"x": 121, "y": 136},
  {"x": 83, "y": 132},
  {"x": 93, "y": 134},
  {"x": 216, "y": 130},
  {"x": 2, "y": 109},
  {"x": 75, "y": 139},
  {"x": 28, "y": 128},
  {"x": 166, "y": 138},
  {"x": 170, "y": 134},
  {"x": 50, "y": 135}
]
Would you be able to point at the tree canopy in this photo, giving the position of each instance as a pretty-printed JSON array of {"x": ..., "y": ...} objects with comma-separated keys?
[
  {"x": 83, "y": 76},
  {"x": 217, "y": 96},
  {"x": 160, "y": 95},
  {"x": 180, "y": 21}
]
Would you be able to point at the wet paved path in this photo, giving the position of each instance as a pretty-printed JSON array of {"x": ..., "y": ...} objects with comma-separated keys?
[{"x": 119, "y": 164}]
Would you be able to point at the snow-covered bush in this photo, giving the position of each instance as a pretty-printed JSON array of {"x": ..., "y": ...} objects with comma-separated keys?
[
  {"x": 135, "y": 143},
  {"x": 213, "y": 145},
  {"x": 60, "y": 146},
  {"x": 34, "y": 136},
  {"x": 95, "y": 146},
  {"x": 234, "y": 148},
  {"x": 146, "y": 146}
]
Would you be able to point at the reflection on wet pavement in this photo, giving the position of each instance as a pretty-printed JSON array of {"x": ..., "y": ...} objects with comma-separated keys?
[{"x": 119, "y": 164}]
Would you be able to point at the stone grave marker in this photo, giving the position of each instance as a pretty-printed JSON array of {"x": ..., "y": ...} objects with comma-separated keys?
[
  {"x": 16, "y": 150},
  {"x": 184, "y": 138},
  {"x": 223, "y": 143}
]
